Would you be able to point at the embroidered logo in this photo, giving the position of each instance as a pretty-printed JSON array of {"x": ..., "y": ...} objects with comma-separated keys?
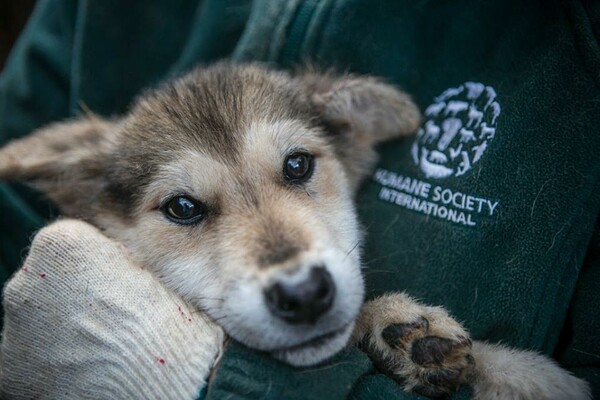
[{"x": 458, "y": 128}]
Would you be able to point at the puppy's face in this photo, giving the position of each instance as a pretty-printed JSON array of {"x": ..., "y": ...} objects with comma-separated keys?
[
  {"x": 246, "y": 212},
  {"x": 234, "y": 185}
]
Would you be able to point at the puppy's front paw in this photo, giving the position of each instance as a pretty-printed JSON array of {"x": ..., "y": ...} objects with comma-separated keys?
[{"x": 420, "y": 347}]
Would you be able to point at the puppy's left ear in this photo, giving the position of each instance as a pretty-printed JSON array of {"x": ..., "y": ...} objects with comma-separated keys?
[{"x": 359, "y": 113}]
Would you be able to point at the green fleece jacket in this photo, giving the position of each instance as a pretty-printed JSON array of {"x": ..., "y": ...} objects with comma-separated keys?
[{"x": 491, "y": 210}]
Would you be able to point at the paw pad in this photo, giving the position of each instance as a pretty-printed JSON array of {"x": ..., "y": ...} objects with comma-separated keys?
[
  {"x": 431, "y": 350},
  {"x": 419, "y": 358},
  {"x": 398, "y": 335}
]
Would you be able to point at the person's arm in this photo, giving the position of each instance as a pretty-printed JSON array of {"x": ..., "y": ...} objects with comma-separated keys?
[
  {"x": 349, "y": 375},
  {"x": 579, "y": 349},
  {"x": 34, "y": 86},
  {"x": 34, "y": 90}
]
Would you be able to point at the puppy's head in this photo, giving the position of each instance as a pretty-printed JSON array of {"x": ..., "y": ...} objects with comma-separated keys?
[{"x": 234, "y": 184}]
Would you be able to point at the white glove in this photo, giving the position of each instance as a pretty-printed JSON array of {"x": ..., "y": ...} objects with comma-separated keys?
[{"x": 83, "y": 322}]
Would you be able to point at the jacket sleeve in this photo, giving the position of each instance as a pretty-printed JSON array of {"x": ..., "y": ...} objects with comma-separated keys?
[
  {"x": 579, "y": 346},
  {"x": 34, "y": 89},
  {"x": 249, "y": 374}
]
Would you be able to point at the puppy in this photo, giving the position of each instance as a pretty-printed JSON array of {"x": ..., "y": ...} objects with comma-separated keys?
[{"x": 235, "y": 185}]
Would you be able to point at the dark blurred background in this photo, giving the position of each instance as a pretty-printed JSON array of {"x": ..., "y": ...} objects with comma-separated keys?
[{"x": 13, "y": 16}]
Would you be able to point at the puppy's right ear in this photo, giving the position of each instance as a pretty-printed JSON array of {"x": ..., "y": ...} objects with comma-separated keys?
[
  {"x": 360, "y": 112},
  {"x": 67, "y": 161}
]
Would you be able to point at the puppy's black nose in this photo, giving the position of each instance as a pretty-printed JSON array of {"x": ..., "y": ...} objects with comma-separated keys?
[{"x": 302, "y": 302}]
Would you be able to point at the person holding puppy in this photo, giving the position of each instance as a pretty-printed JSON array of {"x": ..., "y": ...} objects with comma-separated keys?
[{"x": 490, "y": 210}]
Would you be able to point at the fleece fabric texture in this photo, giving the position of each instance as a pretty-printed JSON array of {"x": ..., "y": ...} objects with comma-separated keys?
[{"x": 489, "y": 211}]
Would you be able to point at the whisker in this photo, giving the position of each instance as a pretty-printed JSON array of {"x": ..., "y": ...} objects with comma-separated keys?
[{"x": 352, "y": 249}]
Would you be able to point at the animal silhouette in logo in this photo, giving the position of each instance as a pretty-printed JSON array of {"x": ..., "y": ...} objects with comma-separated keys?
[{"x": 457, "y": 130}]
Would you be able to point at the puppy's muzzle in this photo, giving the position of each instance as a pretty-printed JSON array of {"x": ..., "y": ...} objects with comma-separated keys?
[{"x": 304, "y": 301}]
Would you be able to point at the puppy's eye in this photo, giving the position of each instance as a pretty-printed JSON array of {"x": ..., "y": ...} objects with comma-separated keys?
[
  {"x": 183, "y": 210},
  {"x": 298, "y": 167}
]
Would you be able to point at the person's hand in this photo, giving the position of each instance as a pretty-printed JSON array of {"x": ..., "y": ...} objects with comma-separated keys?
[{"x": 82, "y": 321}]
